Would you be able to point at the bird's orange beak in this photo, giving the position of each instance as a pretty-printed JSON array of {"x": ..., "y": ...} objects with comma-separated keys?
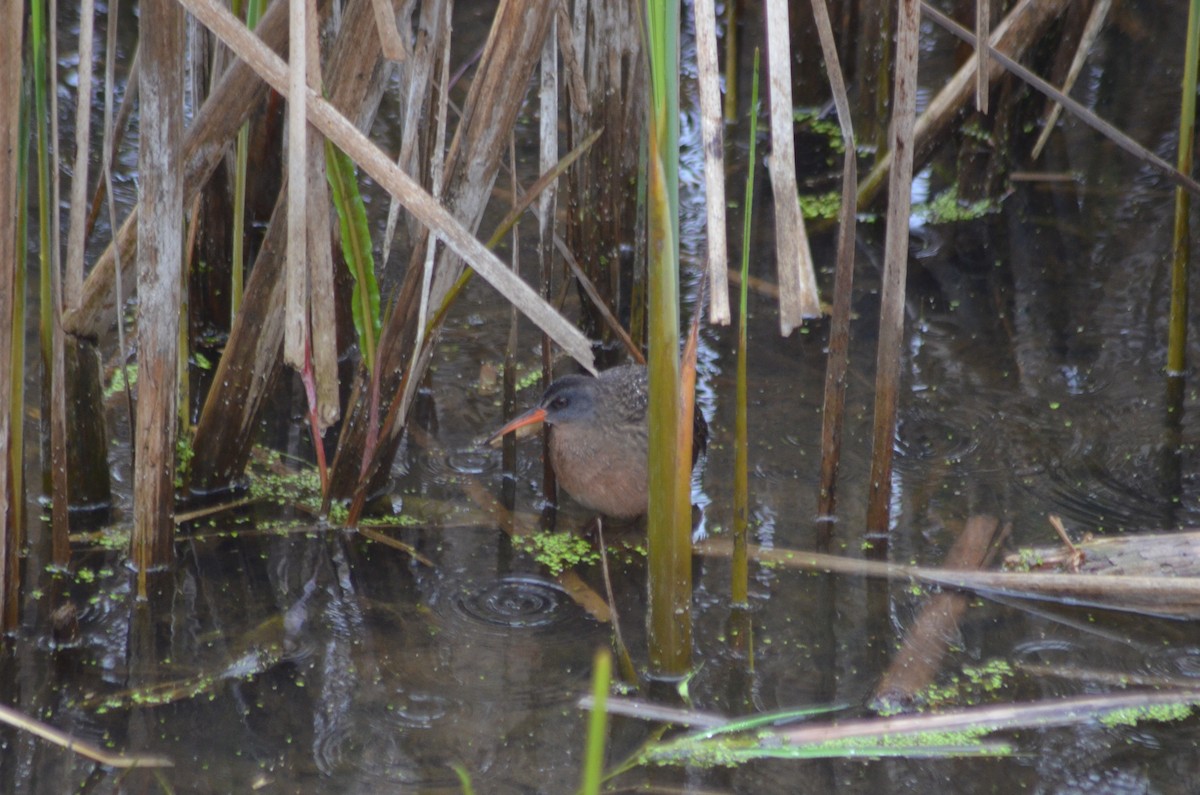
[{"x": 532, "y": 417}]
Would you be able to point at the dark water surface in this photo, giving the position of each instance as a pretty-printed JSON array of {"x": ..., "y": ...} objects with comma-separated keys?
[{"x": 303, "y": 659}]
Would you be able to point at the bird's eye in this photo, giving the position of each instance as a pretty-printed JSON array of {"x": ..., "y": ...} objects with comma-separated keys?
[{"x": 559, "y": 402}]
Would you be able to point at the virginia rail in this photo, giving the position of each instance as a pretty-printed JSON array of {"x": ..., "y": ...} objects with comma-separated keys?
[{"x": 598, "y": 438}]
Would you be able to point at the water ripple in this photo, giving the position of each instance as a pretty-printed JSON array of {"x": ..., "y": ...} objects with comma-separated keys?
[{"x": 515, "y": 603}]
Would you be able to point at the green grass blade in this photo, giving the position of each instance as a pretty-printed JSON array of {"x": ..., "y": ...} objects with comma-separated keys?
[
  {"x": 741, "y": 457},
  {"x": 464, "y": 779},
  {"x": 356, "y": 248},
  {"x": 593, "y": 764},
  {"x": 40, "y": 87},
  {"x": 1177, "y": 334},
  {"x": 253, "y": 13}
]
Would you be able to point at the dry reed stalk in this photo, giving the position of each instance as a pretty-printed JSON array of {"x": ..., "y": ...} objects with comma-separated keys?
[
  {"x": 713, "y": 144},
  {"x": 392, "y": 44},
  {"x": 798, "y": 298},
  {"x": 296, "y": 292},
  {"x": 73, "y": 284},
  {"x": 509, "y": 386},
  {"x": 895, "y": 268},
  {"x": 113, "y": 142},
  {"x": 159, "y": 261},
  {"x": 85, "y": 749},
  {"x": 322, "y": 296},
  {"x": 437, "y": 177},
  {"x": 834, "y": 400},
  {"x": 414, "y": 99},
  {"x": 1039, "y": 714}
]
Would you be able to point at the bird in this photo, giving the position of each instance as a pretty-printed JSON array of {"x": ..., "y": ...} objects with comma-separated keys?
[{"x": 598, "y": 438}]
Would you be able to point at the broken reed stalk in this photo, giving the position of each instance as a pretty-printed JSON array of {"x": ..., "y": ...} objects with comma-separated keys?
[
  {"x": 159, "y": 257},
  {"x": 11, "y": 262},
  {"x": 832, "y": 413},
  {"x": 798, "y": 298},
  {"x": 1181, "y": 252},
  {"x": 895, "y": 268},
  {"x": 393, "y": 45},
  {"x": 740, "y": 566},
  {"x": 601, "y": 306},
  {"x": 669, "y": 515}
]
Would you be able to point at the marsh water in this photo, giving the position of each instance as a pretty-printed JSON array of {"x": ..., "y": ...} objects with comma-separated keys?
[{"x": 284, "y": 655}]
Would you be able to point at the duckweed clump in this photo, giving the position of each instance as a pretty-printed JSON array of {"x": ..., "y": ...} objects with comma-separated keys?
[
  {"x": 558, "y": 551},
  {"x": 973, "y": 685},
  {"x": 1159, "y": 713}
]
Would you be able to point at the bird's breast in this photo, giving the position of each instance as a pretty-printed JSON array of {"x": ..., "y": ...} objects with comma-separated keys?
[{"x": 602, "y": 470}]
